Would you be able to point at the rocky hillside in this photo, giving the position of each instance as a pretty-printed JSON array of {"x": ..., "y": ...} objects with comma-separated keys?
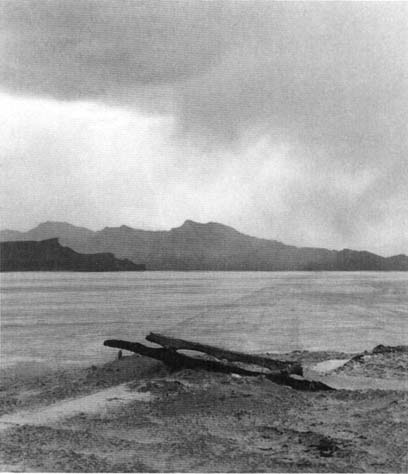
[{"x": 49, "y": 255}]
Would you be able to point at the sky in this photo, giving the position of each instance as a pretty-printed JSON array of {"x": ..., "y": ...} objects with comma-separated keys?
[{"x": 285, "y": 120}]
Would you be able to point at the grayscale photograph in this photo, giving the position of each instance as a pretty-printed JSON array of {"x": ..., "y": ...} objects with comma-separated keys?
[{"x": 204, "y": 236}]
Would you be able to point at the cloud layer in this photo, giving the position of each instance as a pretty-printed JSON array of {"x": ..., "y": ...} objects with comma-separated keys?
[{"x": 287, "y": 120}]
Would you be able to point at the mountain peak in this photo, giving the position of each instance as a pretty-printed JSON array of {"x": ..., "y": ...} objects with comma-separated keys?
[
  {"x": 120, "y": 229},
  {"x": 52, "y": 225},
  {"x": 190, "y": 223},
  {"x": 202, "y": 225},
  {"x": 50, "y": 229}
]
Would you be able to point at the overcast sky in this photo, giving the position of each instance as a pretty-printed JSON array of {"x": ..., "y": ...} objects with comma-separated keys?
[{"x": 284, "y": 120}]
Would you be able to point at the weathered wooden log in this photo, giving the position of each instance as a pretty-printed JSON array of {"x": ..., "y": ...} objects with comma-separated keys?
[
  {"x": 175, "y": 360},
  {"x": 273, "y": 365},
  {"x": 181, "y": 361}
]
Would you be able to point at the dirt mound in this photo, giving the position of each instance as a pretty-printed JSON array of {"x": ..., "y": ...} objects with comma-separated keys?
[
  {"x": 383, "y": 362},
  {"x": 198, "y": 421}
]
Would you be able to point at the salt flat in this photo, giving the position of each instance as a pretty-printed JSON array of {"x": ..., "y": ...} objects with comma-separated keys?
[{"x": 60, "y": 319}]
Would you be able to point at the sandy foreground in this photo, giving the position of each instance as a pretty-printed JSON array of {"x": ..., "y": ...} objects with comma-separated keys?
[{"x": 134, "y": 415}]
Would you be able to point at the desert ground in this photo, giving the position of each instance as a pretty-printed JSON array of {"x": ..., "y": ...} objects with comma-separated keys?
[{"x": 136, "y": 415}]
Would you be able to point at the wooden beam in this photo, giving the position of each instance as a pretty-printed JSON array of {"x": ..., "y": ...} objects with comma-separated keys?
[
  {"x": 180, "y": 361},
  {"x": 175, "y": 360},
  {"x": 232, "y": 356}
]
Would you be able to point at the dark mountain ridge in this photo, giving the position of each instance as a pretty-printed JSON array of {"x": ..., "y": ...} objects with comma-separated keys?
[
  {"x": 49, "y": 255},
  {"x": 210, "y": 246}
]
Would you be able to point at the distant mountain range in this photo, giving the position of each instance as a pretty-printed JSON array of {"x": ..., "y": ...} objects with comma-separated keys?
[
  {"x": 49, "y": 255},
  {"x": 211, "y": 246}
]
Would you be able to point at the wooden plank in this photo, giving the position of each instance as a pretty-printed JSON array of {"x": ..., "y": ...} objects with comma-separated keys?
[
  {"x": 181, "y": 361},
  {"x": 232, "y": 356},
  {"x": 175, "y": 360}
]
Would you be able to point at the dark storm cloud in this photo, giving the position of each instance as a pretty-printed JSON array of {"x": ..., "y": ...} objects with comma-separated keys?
[
  {"x": 76, "y": 49},
  {"x": 327, "y": 79},
  {"x": 326, "y": 73}
]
